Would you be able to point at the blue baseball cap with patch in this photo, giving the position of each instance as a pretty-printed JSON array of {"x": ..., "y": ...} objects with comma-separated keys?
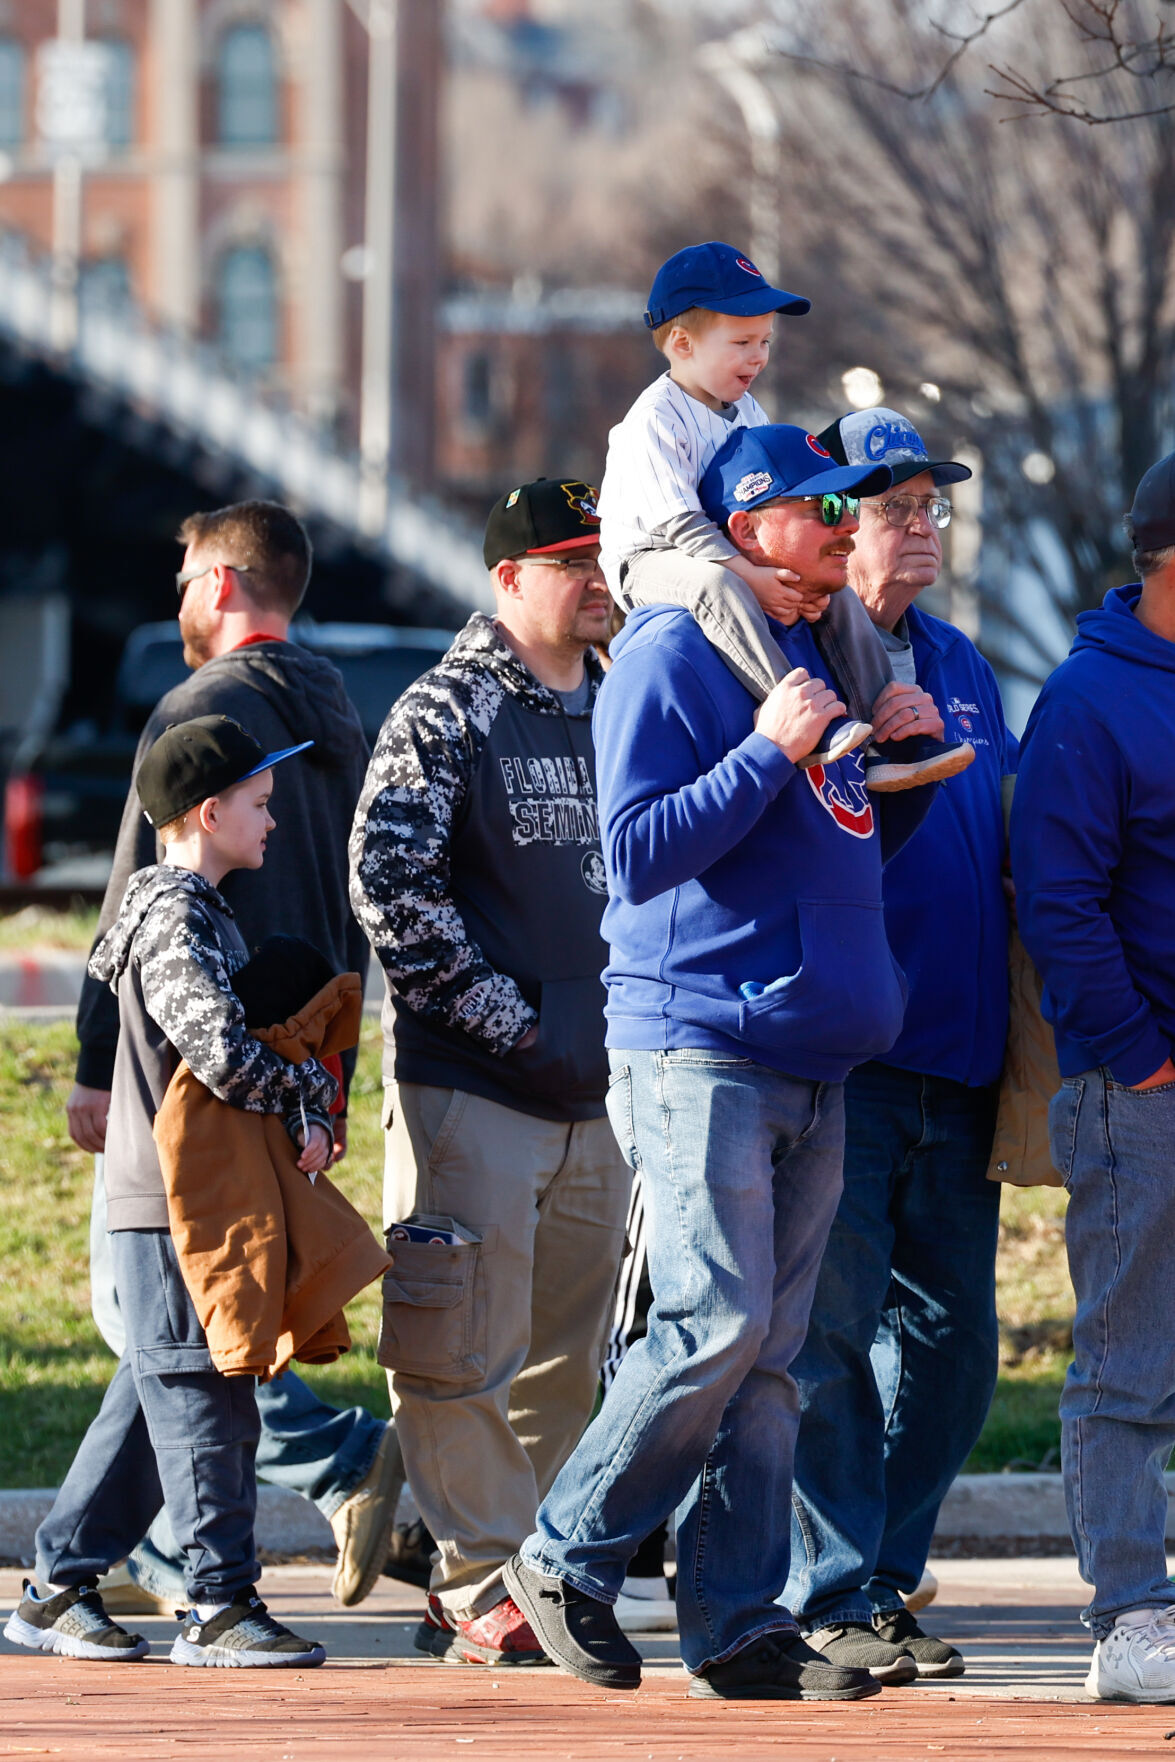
[
  {"x": 885, "y": 437},
  {"x": 719, "y": 279},
  {"x": 757, "y": 465}
]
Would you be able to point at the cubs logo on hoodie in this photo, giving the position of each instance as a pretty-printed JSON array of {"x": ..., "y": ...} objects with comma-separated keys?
[{"x": 844, "y": 796}]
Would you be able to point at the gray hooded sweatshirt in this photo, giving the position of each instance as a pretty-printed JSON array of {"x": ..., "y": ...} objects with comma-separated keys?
[{"x": 169, "y": 960}]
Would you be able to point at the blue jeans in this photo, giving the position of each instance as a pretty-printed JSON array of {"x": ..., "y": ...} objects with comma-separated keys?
[
  {"x": 897, "y": 1372},
  {"x": 741, "y": 1172},
  {"x": 171, "y": 1427},
  {"x": 306, "y": 1446},
  {"x": 1114, "y": 1149}
]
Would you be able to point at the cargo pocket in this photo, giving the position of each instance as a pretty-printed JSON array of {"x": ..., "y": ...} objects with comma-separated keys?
[
  {"x": 433, "y": 1324},
  {"x": 188, "y": 1404}
]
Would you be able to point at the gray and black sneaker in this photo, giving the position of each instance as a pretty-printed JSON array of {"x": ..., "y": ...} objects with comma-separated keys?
[
  {"x": 244, "y": 1636},
  {"x": 859, "y": 1646},
  {"x": 782, "y": 1667},
  {"x": 932, "y": 1656},
  {"x": 73, "y": 1624}
]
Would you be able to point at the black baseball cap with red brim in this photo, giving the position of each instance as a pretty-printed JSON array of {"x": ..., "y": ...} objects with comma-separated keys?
[{"x": 547, "y": 517}]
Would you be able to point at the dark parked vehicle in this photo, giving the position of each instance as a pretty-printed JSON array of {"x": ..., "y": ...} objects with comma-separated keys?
[{"x": 64, "y": 794}]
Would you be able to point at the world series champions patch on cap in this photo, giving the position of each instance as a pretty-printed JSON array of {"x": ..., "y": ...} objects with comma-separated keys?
[
  {"x": 194, "y": 760},
  {"x": 550, "y": 515}
]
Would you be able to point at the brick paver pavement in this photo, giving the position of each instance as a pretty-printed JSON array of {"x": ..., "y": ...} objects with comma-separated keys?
[{"x": 1021, "y": 1700}]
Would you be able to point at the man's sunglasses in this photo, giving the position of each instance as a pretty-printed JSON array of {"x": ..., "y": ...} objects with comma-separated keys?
[
  {"x": 834, "y": 506},
  {"x": 183, "y": 581}
]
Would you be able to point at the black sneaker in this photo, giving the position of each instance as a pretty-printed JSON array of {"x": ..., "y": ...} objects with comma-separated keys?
[
  {"x": 858, "y": 1646},
  {"x": 906, "y": 764},
  {"x": 242, "y": 1637},
  {"x": 840, "y": 737},
  {"x": 73, "y": 1624},
  {"x": 579, "y": 1633},
  {"x": 782, "y": 1667},
  {"x": 932, "y": 1656},
  {"x": 410, "y": 1552}
]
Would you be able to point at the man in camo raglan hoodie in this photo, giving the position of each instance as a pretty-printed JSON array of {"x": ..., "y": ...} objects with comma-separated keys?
[{"x": 477, "y": 875}]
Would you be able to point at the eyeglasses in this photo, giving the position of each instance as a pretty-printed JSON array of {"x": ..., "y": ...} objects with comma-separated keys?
[
  {"x": 904, "y": 510},
  {"x": 183, "y": 581},
  {"x": 834, "y": 506},
  {"x": 575, "y": 568}
]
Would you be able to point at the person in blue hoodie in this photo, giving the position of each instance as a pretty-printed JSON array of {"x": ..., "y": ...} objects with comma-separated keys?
[
  {"x": 1093, "y": 855},
  {"x": 897, "y": 1371},
  {"x": 749, "y": 972}
]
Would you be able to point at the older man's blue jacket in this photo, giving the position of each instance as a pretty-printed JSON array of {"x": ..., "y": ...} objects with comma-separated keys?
[{"x": 945, "y": 910}]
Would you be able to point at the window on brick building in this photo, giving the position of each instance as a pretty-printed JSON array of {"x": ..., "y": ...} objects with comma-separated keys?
[
  {"x": 105, "y": 284},
  {"x": 12, "y": 66},
  {"x": 478, "y": 398},
  {"x": 247, "y": 307},
  {"x": 246, "y": 77},
  {"x": 120, "y": 93}
]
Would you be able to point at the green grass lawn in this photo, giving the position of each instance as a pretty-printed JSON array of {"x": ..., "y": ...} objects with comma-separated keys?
[
  {"x": 38, "y": 926},
  {"x": 54, "y": 1367}
]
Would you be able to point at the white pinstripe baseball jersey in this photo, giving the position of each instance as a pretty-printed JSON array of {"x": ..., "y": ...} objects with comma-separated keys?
[{"x": 656, "y": 457}]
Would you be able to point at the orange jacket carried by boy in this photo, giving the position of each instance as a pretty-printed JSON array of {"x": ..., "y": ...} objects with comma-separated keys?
[{"x": 269, "y": 1257}]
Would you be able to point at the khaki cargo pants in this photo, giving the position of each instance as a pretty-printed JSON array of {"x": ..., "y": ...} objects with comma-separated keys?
[{"x": 494, "y": 1359}]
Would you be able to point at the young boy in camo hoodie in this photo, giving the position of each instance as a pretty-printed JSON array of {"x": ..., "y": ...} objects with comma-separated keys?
[{"x": 172, "y": 1429}]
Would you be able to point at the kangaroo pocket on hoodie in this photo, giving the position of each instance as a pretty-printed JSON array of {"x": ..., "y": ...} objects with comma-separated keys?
[
  {"x": 846, "y": 1000},
  {"x": 568, "y": 1059}
]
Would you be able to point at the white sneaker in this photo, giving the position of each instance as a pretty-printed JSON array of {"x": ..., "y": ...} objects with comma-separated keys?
[
  {"x": 644, "y": 1606},
  {"x": 1136, "y": 1660}
]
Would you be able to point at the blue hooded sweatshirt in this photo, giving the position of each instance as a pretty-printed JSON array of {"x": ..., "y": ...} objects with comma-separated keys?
[
  {"x": 945, "y": 911},
  {"x": 1093, "y": 844},
  {"x": 726, "y": 864}
]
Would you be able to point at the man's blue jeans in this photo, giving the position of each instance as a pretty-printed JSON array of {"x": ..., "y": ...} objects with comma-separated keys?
[
  {"x": 305, "y": 1445},
  {"x": 899, "y": 1365},
  {"x": 1115, "y": 1150},
  {"x": 741, "y": 1169}
]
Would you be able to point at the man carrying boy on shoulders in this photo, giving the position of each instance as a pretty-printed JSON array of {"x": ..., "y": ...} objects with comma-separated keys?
[{"x": 749, "y": 972}]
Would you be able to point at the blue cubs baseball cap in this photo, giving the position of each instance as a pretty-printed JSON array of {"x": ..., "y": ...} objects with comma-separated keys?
[
  {"x": 1152, "y": 515},
  {"x": 881, "y": 436},
  {"x": 757, "y": 465},
  {"x": 720, "y": 279}
]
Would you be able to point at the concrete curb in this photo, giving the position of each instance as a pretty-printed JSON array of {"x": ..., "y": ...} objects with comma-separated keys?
[{"x": 1029, "y": 1507}]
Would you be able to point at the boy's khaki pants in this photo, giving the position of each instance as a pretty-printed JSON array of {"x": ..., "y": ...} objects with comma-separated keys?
[{"x": 483, "y": 1440}]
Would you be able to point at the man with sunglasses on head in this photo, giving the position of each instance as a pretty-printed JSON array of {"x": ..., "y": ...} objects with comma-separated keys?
[
  {"x": 476, "y": 872},
  {"x": 749, "y": 971},
  {"x": 244, "y": 574},
  {"x": 899, "y": 1364}
]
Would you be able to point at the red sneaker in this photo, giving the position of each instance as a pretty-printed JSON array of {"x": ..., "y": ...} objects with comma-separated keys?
[
  {"x": 502, "y": 1636},
  {"x": 435, "y": 1634}
]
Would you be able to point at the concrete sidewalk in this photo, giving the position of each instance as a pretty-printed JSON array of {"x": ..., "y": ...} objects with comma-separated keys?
[{"x": 1022, "y": 1698}]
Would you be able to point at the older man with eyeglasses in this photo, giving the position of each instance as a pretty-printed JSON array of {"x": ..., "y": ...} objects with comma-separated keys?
[{"x": 899, "y": 1365}]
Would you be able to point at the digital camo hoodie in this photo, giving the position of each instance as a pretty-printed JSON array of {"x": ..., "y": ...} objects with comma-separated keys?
[
  {"x": 476, "y": 873},
  {"x": 282, "y": 694},
  {"x": 169, "y": 958}
]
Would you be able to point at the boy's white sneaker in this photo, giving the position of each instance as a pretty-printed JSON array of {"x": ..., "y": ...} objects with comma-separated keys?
[{"x": 1136, "y": 1660}]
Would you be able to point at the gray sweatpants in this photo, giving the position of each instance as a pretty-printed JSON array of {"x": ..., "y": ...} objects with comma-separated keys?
[{"x": 734, "y": 622}]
